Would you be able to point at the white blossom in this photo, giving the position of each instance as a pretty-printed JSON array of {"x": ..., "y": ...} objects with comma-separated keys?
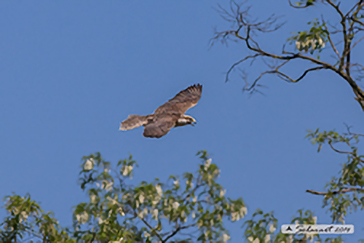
[
  {"x": 176, "y": 183},
  {"x": 235, "y": 216},
  {"x": 175, "y": 205},
  {"x": 256, "y": 240},
  {"x": 92, "y": 198},
  {"x": 193, "y": 215},
  {"x": 314, "y": 219},
  {"x": 159, "y": 190},
  {"x": 110, "y": 213},
  {"x": 89, "y": 165},
  {"x": 311, "y": 43},
  {"x": 146, "y": 234},
  {"x": 82, "y": 217},
  {"x": 23, "y": 216},
  {"x": 267, "y": 238},
  {"x": 155, "y": 214},
  {"x": 243, "y": 211},
  {"x": 194, "y": 199},
  {"x": 15, "y": 211},
  {"x": 189, "y": 183},
  {"x": 117, "y": 241},
  {"x": 141, "y": 198},
  {"x": 100, "y": 221},
  {"x": 113, "y": 201},
  {"x": 341, "y": 219},
  {"x": 107, "y": 185},
  {"x": 156, "y": 201},
  {"x": 126, "y": 169},
  {"x": 143, "y": 213},
  {"x": 225, "y": 237},
  {"x": 120, "y": 211},
  {"x": 207, "y": 163},
  {"x": 271, "y": 228},
  {"x": 222, "y": 192}
]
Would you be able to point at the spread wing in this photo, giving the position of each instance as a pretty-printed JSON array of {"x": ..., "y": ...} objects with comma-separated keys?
[
  {"x": 160, "y": 125},
  {"x": 183, "y": 101}
]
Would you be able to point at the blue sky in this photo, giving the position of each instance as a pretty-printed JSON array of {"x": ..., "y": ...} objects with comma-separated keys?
[{"x": 71, "y": 71}]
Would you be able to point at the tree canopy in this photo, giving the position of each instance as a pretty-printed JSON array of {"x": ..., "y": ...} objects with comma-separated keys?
[{"x": 340, "y": 39}]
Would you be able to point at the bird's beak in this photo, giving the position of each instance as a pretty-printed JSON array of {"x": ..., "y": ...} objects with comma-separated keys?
[{"x": 194, "y": 122}]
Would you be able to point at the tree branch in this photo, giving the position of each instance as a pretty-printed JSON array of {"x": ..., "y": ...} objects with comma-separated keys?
[
  {"x": 176, "y": 231},
  {"x": 149, "y": 226},
  {"x": 245, "y": 29},
  {"x": 343, "y": 24},
  {"x": 336, "y": 192},
  {"x": 237, "y": 63},
  {"x": 295, "y": 6},
  {"x": 332, "y": 43},
  {"x": 339, "y": 151}
]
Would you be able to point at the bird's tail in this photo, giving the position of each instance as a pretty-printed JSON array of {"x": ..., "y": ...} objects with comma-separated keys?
[{"x": 134, "y": 121}]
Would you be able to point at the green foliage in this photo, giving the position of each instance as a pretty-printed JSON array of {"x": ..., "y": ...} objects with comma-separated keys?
[
  {"x": 193, "y": 204},
  {"x": 312, "y": 40},
  {"x": 263, "y": 226},
  {"x": 27, "y": 220},
  {"x": 344, "y": 192},
  {"x": 117, "y": 211}
]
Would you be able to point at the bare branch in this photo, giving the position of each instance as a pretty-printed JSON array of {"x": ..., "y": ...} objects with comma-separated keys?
[
  {"x": 343, "y": 24},
  {"x": 332, "y": 44},
  {"x": 237, "y": 63},
  {"x": 245, "y": 30},
  {"x": 283, "y": 76},
  {"x": 352, "y": 47},
  {"x": 357, "y": 6},
  {"x": 357, "y": 21}
]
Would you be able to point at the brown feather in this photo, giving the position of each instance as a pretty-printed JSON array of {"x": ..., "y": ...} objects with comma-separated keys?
[
  {"x": 134, "y": 121},
  {"x": 160, "y": 125},
  {"x": 183, "y": 101}
]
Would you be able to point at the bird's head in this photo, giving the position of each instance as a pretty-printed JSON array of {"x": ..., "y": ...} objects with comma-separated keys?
[{"x": 189, "y": 120}]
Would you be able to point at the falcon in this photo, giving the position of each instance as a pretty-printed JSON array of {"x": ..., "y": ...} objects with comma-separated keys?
[{"x": 170, "y": 114}]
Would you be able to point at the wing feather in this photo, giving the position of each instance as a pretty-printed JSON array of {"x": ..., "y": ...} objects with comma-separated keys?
[
  {"x": 160, "y": 125},
  {"x": 183, "y": 101},
  {"x": 134, "y": 121}
]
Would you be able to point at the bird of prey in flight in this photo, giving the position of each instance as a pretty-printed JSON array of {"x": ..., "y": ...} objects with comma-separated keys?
[{"x": 170, "y": 114}]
